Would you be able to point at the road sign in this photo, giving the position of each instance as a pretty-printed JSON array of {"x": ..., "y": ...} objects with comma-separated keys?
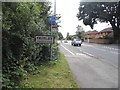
[
  {"x": 51, "y": 19},
  {"x": 45, "y": 39},
  {"x": 55, "y": 25}
]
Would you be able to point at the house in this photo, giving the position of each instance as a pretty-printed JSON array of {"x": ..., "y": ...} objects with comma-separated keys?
[
  {"x": 102, "y": 33},
  {"x": 106, "y": 32},
  {"x": 104, "y": 36},
  {"x": 91, "y": 34}
]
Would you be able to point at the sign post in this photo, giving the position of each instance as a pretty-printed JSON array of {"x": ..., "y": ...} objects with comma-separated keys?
[
  {"x": 51, "y": 20},
  {"x": 51, "y": 44}
]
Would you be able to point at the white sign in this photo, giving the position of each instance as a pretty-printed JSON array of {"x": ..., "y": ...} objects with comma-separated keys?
[{"x": 45, "y": 39}]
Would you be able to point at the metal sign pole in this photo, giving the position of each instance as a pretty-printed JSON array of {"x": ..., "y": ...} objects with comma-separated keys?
[
  {"x": 51, "y": 44},
  {"x": 51, "y": 20}
]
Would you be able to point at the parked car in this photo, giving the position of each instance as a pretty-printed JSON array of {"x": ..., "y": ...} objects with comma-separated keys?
[
  {"x": 76, "y": 42},
  {"x": 65, "y": 41}
]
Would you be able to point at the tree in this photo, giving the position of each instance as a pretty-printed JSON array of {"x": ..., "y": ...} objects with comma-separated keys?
[
  {"x": 60, "y": 36},
  {"x": 70, "y": 37},
  {"x": 79, "y": 32},
  {"x": 91, "y": 12},
  {"x": 21, "y": 22},
  {"x": 67, "y": 35}
]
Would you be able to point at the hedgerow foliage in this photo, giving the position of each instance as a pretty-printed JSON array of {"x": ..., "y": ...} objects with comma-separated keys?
[{"x": 21, "y": 22}]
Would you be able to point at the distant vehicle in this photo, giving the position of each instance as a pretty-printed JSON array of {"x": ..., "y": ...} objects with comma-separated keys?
[
  {"x": 65, "y": 41},
  {"x": 76, "y": 42}
]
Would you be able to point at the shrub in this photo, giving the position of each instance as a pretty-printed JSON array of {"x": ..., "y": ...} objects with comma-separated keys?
[{"x": 20, "y": 52}]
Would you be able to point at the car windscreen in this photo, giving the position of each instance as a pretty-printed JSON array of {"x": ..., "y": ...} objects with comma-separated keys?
[{"x": 77, "y": 39}]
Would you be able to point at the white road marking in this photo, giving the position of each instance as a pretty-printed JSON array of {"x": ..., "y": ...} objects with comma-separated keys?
[
  {"x": 98, "y": 58},
  {"x": 110, "y": 48},
  {"x": 68, "y": 50},
  {"x": 87, "y": 53},
  {"x": 106, "y": 50},
  {"x": 77, "y": 55},
  {"x": 80, "y": 54},
  {"x": 103, "y": 47}
]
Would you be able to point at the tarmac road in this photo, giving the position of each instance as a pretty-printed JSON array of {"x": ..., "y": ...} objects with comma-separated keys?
[{"x": 91, "y": 65}]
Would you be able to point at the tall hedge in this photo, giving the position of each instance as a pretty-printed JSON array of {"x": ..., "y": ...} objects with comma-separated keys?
[{"x": 21, "y": 22}]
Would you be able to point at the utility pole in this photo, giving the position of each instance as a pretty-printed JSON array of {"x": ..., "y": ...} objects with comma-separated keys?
[
  {"x": 54, "y": 22},
  {"x": 56, "y": 25},
  {"x": 54, "y": 7}
]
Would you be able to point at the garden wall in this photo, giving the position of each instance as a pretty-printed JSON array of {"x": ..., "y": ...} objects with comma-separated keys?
[{"x": 101, "y": 41}]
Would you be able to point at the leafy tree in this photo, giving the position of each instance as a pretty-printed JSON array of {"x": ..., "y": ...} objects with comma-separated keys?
[
  {"x": 70, "y": 37},
  {"x": 67, "y": 35},
  {"x": 60, "y": 36},
  {"x": 21, "y": 22},
  {"x": 79, "y": 32},
  {"x": 91, "y": 12}
]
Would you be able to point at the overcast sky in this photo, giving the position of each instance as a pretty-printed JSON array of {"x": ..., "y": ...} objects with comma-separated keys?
[{"x": 68, "y": 10}]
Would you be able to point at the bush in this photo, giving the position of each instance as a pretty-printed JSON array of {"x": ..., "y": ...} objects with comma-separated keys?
[
  {"x": 55, "y": 53},
  {"x": 107, "y": 37},
  {"x": 20, "y": 52}
]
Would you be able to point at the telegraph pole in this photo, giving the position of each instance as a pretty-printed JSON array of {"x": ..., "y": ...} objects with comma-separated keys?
[
  {"x": 54, "y": 7},
  {"x": 52, "y": 21}
]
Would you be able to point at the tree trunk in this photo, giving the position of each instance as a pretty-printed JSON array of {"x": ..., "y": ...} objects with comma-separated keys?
[
  {"x": 116, "y": 32},
  {"x": 116, "y": 28}
]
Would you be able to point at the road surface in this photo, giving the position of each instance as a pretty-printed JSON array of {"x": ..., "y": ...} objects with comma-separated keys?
[{"x": 93, "y": 65}]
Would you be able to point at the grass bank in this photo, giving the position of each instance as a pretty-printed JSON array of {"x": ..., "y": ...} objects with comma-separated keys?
[{"x": 54, "y": 74}]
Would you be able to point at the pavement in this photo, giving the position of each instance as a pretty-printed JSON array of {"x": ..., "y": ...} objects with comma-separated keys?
[{"x": 89, "y": 71}]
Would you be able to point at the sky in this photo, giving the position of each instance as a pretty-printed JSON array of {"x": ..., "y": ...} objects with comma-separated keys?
[{"x": 68, "y": 10}]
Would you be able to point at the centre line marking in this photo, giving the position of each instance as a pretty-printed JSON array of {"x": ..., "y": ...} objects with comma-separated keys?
[
  {"x": 68, "y": 50},
  {"x": 87, "y": 53}
]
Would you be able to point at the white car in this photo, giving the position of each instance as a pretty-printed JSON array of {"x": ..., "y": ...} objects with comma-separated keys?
[
  {"x": 76, "y": 42},
  {"x": 65, "y": 41}
]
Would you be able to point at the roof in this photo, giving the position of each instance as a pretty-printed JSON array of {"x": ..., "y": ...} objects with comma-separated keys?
[
  {"x": 107, "y": 30},
  {"x": 91, "y": 32}
]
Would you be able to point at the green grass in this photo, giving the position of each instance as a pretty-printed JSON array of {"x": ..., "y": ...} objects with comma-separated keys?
[{"x": 54, "y": 74}]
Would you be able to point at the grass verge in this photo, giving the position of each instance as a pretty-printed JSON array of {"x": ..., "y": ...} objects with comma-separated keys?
[{"x": 54, "y": 74}]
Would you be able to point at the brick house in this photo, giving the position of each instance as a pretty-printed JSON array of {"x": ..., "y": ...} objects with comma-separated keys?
[
  {"x": 91, "y": 34},
  {"x": 106, "y": 32},
  {"x": 104, "y": 36},
  {"x": 102, "y": 33}
]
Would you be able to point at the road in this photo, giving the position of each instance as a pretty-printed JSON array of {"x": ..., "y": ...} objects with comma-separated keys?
[{"x": 93, "y": 65}]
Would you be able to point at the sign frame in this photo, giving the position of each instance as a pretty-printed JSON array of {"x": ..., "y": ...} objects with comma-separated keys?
[{"x": 45, "y": 39}]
